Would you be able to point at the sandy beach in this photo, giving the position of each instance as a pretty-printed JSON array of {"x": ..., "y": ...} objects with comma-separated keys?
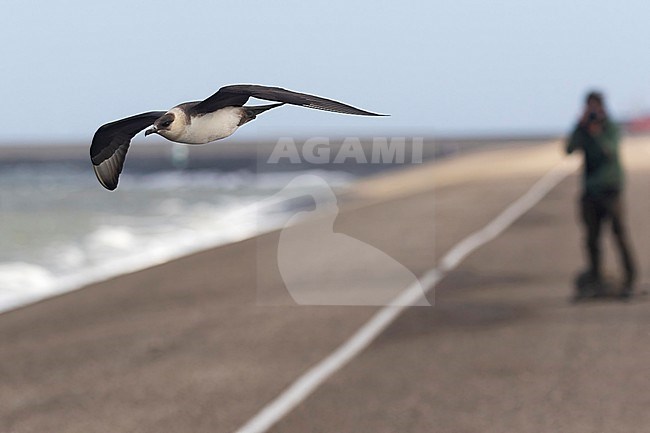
[{"x": 202, "y": 343}]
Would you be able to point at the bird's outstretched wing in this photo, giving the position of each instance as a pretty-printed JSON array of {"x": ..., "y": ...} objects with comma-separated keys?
[
  {"x": 111, "y": 142},
  {"x": 237, "y": 95}
]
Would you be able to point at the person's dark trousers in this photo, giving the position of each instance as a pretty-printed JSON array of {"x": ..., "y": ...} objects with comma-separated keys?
[{"x": 595, "y": 211}]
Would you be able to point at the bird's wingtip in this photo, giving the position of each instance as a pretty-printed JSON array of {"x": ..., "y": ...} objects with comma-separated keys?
[{"x": 106, "y": 183}]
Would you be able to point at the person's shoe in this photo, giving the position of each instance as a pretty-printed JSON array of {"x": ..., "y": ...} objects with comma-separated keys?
[
  {"x": 587, "y": 278},
  {"x": 627, "y": 291},
  {"x": 588, "y": 285},
  {"x": 628, "y": 288}
]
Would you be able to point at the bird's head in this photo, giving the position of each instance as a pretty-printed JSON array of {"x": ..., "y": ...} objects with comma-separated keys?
[{"x": 169, "y": 125}]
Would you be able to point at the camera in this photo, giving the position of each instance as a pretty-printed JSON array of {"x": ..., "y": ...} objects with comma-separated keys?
[{"x": 594, "y": 117}]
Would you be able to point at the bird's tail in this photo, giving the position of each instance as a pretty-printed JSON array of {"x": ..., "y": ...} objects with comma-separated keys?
[{"x": 252, "y": 112}]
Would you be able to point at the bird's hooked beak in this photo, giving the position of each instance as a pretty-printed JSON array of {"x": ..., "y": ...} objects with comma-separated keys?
[{"x": 151, "y": 130}]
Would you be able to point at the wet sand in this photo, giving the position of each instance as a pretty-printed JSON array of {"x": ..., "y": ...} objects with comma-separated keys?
[{"x": 203, "y": 342}]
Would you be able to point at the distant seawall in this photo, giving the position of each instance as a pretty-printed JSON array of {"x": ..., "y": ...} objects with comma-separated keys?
[{"x": 257, "y": 156}]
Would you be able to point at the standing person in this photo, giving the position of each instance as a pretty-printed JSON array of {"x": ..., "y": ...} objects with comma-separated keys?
[{"x": 598, "y": 139}]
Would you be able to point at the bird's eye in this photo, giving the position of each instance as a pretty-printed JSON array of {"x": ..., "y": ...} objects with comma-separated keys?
[{"x": 166, "y": 123}]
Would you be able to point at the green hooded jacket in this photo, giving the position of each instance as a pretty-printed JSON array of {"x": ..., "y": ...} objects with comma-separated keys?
[{"x": 603, "y": 172}]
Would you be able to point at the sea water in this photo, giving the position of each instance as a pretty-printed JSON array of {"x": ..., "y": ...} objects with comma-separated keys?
[{"x": 60, "y": 230}]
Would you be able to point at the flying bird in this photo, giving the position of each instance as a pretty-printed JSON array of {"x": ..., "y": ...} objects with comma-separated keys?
[{"x": 198, "y": 122}]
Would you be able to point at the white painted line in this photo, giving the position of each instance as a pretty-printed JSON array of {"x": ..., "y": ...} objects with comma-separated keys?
[{"x": 300, "y": 389}]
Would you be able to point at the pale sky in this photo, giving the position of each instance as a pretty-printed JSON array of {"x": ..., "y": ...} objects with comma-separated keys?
[{"x": 438, "y": 67}]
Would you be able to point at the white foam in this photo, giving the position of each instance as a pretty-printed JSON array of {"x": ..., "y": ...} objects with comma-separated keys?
[
  {"x": 130, "y": 243},
  {"x": 24, "y": 277},
  {"x": 112, "y": 237}
]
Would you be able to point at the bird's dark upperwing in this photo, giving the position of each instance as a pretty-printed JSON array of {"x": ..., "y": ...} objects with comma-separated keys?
[
  {"x": 237, "y": 95},
  {"x": 111, "y": 142}
]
